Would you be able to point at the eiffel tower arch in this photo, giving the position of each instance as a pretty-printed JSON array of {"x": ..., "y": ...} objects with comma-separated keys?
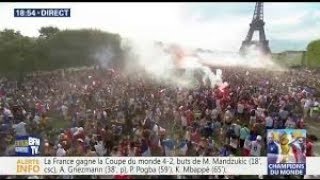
[{"x": 257, "y": 24}]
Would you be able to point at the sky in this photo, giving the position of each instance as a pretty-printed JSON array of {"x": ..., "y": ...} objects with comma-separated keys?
[{"x": 215, "y": 26}]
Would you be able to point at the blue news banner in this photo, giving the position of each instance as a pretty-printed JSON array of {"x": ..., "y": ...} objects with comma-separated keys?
[
  {"x": 287, "y": 169},
  {"x": 42, "y": 12}
]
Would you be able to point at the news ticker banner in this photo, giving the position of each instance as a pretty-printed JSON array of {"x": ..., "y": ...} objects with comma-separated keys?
[
  {"x": 143, "y": 166},
  {"x": 42, "y": 12}
]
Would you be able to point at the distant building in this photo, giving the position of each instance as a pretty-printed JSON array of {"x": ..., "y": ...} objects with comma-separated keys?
[{"x": 288, "y": 53}]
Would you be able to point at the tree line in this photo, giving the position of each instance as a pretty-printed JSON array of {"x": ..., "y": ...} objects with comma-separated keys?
[
  {"x": 58, "y": 49},
  {"x": 313, "y": 54},
  {"x": 55, "y": 49}
]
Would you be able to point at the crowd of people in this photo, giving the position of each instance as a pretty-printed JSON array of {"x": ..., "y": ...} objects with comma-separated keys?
[{"x": 109, "y": 113}]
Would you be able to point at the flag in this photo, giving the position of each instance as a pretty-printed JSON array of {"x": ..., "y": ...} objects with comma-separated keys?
[
  {"x": 147, "y": 152},
  {"x": 168, "y": 145},
  {"x": 145, "y": 149},
  {"x": 183, "y": 147}
]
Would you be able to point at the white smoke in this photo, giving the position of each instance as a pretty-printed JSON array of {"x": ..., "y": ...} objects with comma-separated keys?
[
  {"x": 161, "y": 65},
  {"x": 104, "y": 56},
  {"x": 159, "y": 62},
  {"x": 254, "y": 59},
  {"x": 192, "y": 64}
]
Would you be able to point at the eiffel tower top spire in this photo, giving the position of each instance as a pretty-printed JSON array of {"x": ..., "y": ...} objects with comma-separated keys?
[
  {"x": 258, "y": 12},
  {"x": 257, "y": 24}
]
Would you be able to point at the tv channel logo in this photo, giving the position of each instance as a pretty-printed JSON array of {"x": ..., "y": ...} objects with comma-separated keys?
[{"x": 27, "y": 146}]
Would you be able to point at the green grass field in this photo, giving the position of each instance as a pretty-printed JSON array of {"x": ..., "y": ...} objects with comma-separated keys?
[{"x": 57, "y": 122}]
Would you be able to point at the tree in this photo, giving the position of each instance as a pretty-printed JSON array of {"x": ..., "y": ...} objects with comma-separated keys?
[
  {"x": 14, "y": 51},
  {"x": 48, "y": 31},
  {"x": 73, "y": 48},
  {"x": 313, "y": 54}
]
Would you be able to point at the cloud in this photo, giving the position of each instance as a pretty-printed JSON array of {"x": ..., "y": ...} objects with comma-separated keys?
[
  {"x": 296, "y": 22},
  {"x": 294, "y": 19}
]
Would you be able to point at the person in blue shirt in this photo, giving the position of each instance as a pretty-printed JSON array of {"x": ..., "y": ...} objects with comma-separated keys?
[
  {"x": 272, "y": 150},
  {"x": 244, "y": 133},
  {"x": 225, "y": 151}
]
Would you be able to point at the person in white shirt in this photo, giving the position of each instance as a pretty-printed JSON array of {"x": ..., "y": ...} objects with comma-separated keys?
[
  {"x": 98, "y": 115},
  {"x": 60, "y": 152},
  {"x": 131, "y": 101},
  {"x": 158, "y": 111},
  {"x": 314, "y": 110},
  {"x": 306, "y": 107},
  {"x": 308, "y": 103},
  {"x": 64, "y": 110},
  {"x": 208, "y": 112},
  {"x": 268, "y": 121},
  {"x": 228, "y": 116},
  {"x": 187, "y": 134},
  {"x": 36, "y": 119},
  {"x": 100, "y": 150},
  {"x": 131, "y": 150},
  {"x": 20, "y": 129},
  {"x": 255, "y": 147},
  {"x": 168, "y": 151},
  {"x": 234, "y": 143},
  {"x": 184, "y": 121},
  {"x": 24, "y": 112},
  {"x": 190, "y": 98},
  {"x": 214, "y": 114},
  {"x": 260, "y": 112},
  {"x": 236, "y": 128},
  {"x": 7, "y": 112},
  {"x": 240, "y": 109},
  {"x": 290, "y": 123},
  {"x": 283, "y": 114},
  {"x": 218, "y": 105},
  {"x": 8, "y": 116}
]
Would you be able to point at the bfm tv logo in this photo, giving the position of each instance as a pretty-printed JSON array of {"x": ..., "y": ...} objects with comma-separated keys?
[{"x": 27, "y": 146}]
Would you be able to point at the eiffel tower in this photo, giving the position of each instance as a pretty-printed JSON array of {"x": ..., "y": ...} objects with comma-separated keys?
[{"x": 257, "y": 24}]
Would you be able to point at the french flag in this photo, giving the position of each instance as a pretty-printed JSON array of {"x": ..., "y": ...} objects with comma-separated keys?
[
  {"x": 145, "y": 149},
  {"x": 169, "y": 145},
  {"x": 183, "y": 147}
]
